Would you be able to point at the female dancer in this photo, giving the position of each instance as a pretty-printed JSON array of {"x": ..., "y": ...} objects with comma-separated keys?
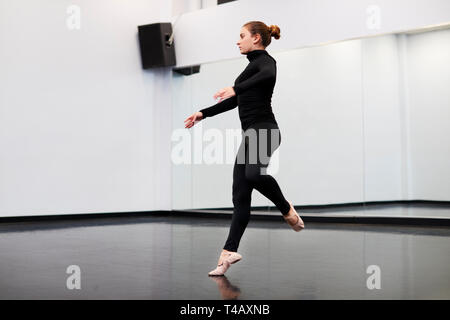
[{"x": 252, "y": 91}]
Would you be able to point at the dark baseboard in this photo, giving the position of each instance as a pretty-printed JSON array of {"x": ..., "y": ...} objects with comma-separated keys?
[
  {"x": 82, "y": 216},
  {"x": 355, "y": 205},
  {"x": 405, "y": 221},
  {"x": 417, "y": 221}
]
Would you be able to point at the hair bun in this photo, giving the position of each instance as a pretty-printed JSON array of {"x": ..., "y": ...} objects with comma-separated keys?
[{"x": 274, "y": 31}]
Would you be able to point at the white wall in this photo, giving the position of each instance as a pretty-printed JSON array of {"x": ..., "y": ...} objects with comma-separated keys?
[
  {"x": 407, "y": 116},
  {"x": 382, "y": 120},
  {"x": 429, "y": 114},
  {"x": 83, "y": 128},
  {"x": 180, "y": 7},
  {"x": 211, "y": 34}
]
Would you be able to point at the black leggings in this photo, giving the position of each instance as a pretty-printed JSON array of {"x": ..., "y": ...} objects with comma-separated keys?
[{"x": 249, "y": 173}]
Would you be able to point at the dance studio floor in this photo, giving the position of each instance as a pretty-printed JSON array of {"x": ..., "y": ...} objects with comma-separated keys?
[{"x": 169, "y": 257}]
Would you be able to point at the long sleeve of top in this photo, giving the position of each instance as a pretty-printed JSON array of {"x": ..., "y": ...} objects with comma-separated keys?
[
  {"x": 222, "y": 106},
  {"x": 253, "y": 88}
]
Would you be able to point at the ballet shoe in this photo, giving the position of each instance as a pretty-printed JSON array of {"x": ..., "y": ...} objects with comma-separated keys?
[
  {"x": 231, "y": 256},
  {"x": 226, "y": 259},
  {"x": 220, "y": 269},
  {"x": 293, "y": 219}
]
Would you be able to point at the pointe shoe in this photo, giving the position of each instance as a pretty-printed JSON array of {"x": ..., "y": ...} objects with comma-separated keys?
[
  {"x": 227, "y": 258},
  {"x": 293, "y": 219}
]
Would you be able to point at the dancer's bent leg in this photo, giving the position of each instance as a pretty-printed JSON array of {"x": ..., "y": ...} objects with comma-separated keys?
[{"x": 262, "y": 148}]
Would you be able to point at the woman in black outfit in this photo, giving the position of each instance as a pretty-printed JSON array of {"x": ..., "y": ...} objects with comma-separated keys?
[{"x": 252, "y": 91}]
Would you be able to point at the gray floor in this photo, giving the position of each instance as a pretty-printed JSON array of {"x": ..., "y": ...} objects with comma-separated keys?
[{"x": 168, "y": 257}]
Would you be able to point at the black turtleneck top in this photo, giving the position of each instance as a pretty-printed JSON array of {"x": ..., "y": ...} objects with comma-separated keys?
[{"x": 253, "y": 88}]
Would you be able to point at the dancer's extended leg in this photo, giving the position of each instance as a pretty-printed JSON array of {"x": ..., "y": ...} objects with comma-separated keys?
[{"x": 242, "y": 196}]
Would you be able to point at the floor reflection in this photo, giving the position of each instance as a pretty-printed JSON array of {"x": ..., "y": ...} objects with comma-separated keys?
[{"x": 227, "y": 290}]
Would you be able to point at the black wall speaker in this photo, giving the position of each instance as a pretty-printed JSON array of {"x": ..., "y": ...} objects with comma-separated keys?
[
  {"x": 157, "y": 47},
  {"x": 187, "y": 71}
]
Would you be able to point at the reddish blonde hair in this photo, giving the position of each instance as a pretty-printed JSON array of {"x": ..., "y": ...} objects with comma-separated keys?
[{"x": 266, "y": 32}]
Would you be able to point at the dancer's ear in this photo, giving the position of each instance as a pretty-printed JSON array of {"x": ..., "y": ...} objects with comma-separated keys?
[{"x": 256, "y": 38}]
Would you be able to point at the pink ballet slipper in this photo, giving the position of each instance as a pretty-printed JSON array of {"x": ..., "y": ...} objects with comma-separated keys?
[
  {"x": 293, "y": 219},
  {"x": 227, "y": 258}
]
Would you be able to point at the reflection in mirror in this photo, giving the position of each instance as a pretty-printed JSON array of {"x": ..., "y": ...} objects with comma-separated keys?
[
  {"x": 317, "y": 104},
  {"x": 361, "y": 121},
  {"x": 406, "y": 114}
]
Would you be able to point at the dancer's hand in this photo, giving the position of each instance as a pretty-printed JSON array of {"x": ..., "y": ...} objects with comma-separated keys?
[
  {"x": 225, "y": 93},
  {"x": 193, "y": 119}
]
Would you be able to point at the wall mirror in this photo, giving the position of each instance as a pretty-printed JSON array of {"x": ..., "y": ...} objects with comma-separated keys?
[{"x": 363, "y": 121}]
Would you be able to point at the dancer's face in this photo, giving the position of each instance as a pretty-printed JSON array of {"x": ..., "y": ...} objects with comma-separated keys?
[{"x": 247, "y": 42}]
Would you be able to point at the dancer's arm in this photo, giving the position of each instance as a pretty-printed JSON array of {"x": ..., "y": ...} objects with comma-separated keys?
[
  {"x": 267, "y": 71},
  {"x": 222, "y": 106}
]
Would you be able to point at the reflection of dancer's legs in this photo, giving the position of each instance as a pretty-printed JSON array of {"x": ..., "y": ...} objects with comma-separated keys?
[
  {"x": 227, "y": 290},
  {"x": 250, "y": 172}
]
